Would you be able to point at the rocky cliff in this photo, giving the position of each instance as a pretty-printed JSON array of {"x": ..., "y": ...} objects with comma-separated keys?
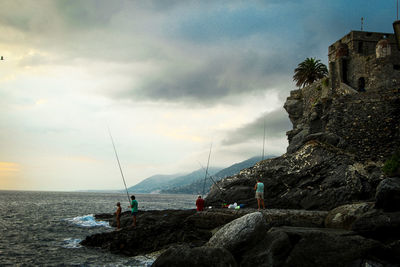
[{"x": 338, "y": 144}]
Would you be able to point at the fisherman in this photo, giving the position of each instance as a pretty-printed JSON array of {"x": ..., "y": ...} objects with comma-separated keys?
[
  {"x": 259, "y": 188},
  {"x": 134, "y": 206},
  {"x": 118, "y": 215},
  {"x": 200, "y": 204}
]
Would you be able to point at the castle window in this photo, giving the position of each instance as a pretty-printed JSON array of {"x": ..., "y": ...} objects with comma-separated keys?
[
  {"x": 360, "y": 47},
  {"x": 344, "y": 71},
  {"x": 396, "y": 67},
  {"x": 361, "y": 84}
]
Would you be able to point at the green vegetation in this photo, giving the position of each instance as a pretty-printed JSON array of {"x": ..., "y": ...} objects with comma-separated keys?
[
  {"x": 325, "y": 82},
  {"x": 392, "y": 165},
  {"x": 309, "y": 71},
  {"x": 315, "y": 102}
]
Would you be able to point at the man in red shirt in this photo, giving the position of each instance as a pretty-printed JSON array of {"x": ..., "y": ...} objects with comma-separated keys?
[{"x": 200, "y": 203}]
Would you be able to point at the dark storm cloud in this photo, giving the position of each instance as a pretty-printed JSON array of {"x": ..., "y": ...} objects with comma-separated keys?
[
  {"x": 235, "y": 21},
  {"x": 234, "y": 73},
  {"x": 250, "y": 49},
  {"x": 237, "y": 47},
  {"x": 276, "y": 125}
]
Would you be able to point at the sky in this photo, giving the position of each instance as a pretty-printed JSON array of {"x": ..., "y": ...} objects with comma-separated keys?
[{"x": 170, "y": 79}]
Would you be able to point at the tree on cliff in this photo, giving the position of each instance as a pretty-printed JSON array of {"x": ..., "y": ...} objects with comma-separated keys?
[{"x": 309, "y": 71}]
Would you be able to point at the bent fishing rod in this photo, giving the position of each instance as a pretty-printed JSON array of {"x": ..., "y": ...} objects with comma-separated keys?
[
  {"x": 212, "y": 179},
  {"x": 119, "y": 164},
  {"x": 205, "y": 176}
]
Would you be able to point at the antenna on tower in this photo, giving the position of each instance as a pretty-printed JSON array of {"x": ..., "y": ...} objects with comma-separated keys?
[{"x": 362, "y": 23}]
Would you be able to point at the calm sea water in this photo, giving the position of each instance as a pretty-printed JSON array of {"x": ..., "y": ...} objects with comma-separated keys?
[{"x": 45, "y": 228}]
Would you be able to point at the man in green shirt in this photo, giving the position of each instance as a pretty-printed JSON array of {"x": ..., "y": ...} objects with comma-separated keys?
[{"x": 134, "y": 206}]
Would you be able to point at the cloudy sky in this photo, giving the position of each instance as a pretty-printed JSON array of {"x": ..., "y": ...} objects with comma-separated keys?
[{"x": 169, "y": 78}]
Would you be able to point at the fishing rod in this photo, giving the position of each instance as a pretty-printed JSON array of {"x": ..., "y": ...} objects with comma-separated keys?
[
  {"x": 119, "y": 164},
  {"x": 212, "y": 179},
  {"x": 263, "y": 142},
  {"x": 205, "y": 176}
]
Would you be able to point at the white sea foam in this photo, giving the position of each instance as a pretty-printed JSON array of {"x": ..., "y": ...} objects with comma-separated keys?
[
  {"x": 87, "y": 221},
  {"x": 72, "y": 243},
  {"x": 145, "y": 260},
  {"x": 47, "y": 247}
]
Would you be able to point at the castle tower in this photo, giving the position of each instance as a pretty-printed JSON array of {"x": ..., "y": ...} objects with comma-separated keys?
[
  {"x": 364, "y": 61},
  {"x": 383, "y": 49}
]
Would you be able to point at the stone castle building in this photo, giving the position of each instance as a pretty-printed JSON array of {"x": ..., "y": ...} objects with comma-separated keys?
[
  {"x": 357, "y": 109},
  {"x": 364, "y": 61}
]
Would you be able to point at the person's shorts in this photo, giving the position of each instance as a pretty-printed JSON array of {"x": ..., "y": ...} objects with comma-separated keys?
[
  {"x": 134, "y": 213},
  {"x": 260, "y": 195}
]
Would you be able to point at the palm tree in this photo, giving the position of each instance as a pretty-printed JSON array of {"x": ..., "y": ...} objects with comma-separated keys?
[{"x": 309, "y": 71}]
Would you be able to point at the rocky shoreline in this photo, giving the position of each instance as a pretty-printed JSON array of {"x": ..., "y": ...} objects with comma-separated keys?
[{"x": 350, "y": 235}]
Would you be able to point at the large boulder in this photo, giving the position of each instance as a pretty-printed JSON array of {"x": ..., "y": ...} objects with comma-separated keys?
[
  {"x": 388, "y": 194},
  {"x": 240, "y": 233},
  {"x": 299, "y": 218},
  {"x": 379, "y": 225},
  {"x": 272, "y": 250},
  {"x": 193, "y": 257},
  {"x": 211, "y": 219},
  {"x": 297, "y": 246},
  {"x": 343, "y": 217}
]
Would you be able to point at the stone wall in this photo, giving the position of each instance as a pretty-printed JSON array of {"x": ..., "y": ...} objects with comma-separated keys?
[
  {"x": 378, "y": 73},
  {"x": 383, "y": 73},
  {"x": 367, "y": 124},
  {"x": 302, "y": 103},
  {"x": 314, "y": 93}
]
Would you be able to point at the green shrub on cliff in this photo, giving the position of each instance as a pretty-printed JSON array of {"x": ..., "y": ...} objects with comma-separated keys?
[
  {"x": 325, "y": 82},
  {"x": 392, "y": 165}
]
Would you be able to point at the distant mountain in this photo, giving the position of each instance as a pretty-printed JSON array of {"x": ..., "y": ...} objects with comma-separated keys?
[
  {"x": 106, "y": 191},
  {"x": 157, "y": 183},
  {"x": 190, "y": 178},
  {"x": 196, "y": 187},
  {"x": 153, "y": 184}
]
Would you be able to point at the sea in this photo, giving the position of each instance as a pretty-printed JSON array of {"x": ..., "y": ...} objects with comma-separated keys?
[{"x": 45, "y": 228}]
